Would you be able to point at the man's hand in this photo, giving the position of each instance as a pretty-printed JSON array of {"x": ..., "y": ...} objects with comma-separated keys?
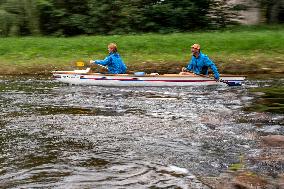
[{"x": 184, "y": 69}]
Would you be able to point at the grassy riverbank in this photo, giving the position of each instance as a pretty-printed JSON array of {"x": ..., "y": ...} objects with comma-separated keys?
[{"x": 243, "y": 50}]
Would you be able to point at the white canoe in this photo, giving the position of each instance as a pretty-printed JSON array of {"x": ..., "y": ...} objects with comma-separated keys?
[{"x": 84, "y": 77}]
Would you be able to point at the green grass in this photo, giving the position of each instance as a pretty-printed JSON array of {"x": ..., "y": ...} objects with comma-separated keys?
[{"x": 235, "y": 50}]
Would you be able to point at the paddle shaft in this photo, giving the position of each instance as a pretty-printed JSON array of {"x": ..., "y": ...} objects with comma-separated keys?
[
  {"x": 207, "y": 76},
  {"x": 93, "y": 62},
  {"x": 202, "y": 75},
  {"x": 220, "y": 80},
  {"x": 102, "y": 66}
]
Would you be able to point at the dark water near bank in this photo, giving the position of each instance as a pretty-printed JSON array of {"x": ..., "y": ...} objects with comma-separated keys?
[{"x": 58, "y": 136}]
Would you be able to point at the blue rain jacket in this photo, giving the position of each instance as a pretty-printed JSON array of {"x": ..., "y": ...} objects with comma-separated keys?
[
  {"x": 200, "y": 65},
  {"x": 114, "y": 63}
]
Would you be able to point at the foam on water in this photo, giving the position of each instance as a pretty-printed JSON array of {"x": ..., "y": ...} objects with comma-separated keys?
[{"x": 59, "y": 136}]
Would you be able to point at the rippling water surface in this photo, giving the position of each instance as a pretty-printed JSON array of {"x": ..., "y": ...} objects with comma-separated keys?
[{"x": 59, "y": 136}]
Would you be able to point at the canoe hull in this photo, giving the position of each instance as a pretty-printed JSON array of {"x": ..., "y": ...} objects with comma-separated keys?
[{"x": 168, "y": 80}]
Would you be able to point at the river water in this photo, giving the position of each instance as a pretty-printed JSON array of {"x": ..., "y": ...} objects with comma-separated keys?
[{"x": 59, "y": 136}]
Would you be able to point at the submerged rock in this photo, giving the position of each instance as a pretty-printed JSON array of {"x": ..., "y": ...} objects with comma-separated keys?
[
  {"x": 243, "y": 180},
  {"x": 273, "y": 140}
]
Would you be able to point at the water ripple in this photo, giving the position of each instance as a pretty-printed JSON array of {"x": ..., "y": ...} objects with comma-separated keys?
[{"x": 60, "y": 136}]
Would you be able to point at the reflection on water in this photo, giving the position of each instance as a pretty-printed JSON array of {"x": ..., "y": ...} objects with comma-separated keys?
[
  {"x": 76, "y": 110},
  {"x": 271, "y": 99},
  {"x": 55, "y": 135}
]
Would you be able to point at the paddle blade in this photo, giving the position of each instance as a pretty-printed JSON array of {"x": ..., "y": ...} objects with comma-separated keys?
[{"x": 80, "y": 64}]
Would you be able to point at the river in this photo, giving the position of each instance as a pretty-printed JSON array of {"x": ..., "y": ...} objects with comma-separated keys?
[{"x": 59, "y": 136}]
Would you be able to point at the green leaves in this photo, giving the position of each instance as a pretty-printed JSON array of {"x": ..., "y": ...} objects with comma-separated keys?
[
  {"x": 19, "y": 18},
  {"x": 77, "y": 17}
]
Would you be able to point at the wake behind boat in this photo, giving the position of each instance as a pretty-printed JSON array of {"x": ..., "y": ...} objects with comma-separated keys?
[{"x": 85, "y": 77}]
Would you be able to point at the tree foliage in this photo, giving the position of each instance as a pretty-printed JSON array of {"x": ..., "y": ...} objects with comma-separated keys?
[
  {"x": 272, "y": 10},
  {"x": 76, "y": 17},
  {"x": 19, "y": 17}
]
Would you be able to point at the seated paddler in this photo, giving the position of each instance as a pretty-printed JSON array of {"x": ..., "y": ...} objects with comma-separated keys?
[
  {"x": 200, "y": 63},
  {"x": 113, "y": 61}
]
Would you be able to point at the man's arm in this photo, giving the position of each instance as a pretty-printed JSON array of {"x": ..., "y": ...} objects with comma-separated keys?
[
  {"x": 189, "y": 67},
  {"x": 104, "y": 62},
  {"x": 213, "y": 67}
]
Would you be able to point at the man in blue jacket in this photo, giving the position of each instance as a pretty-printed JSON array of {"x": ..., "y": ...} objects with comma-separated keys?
[
  {"x": 113, "y": 61},
  {"x": 200, "y": 63}
]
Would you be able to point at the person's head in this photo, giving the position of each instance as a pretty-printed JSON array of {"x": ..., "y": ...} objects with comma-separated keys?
[
  {"x": 195, "y": 49},
  {"x": 112, "y": 47}
]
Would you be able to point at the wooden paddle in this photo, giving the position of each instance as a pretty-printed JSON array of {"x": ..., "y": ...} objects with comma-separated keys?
[
  {"x": 220, "y": 80},
  {"x": 206, "y": 76},
  {"x": 80, "y": 64},
  {"x": 92, "y": 63}
]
